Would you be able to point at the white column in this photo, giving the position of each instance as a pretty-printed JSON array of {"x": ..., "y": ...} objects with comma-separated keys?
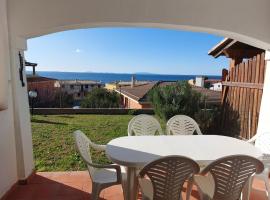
[
  {"x": 264, "y": 117},
  {"x": 8, "y": 160},
  {"x": 23, "y": 134}
]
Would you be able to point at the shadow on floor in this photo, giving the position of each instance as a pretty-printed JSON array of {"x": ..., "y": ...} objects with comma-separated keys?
[
  {"x": 41, "y": 188},
  {"x": 76, "y": 185}
]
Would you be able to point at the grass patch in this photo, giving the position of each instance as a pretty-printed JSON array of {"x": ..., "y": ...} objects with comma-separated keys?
[{"x": 54, "y": 148}]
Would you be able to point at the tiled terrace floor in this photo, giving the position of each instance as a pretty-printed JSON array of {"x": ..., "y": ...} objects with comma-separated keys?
[{"x": 77, "y": 186}]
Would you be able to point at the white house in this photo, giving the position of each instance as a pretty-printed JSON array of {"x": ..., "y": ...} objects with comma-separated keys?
[
  {"x": 244, "y": 20},
  {"x": 199, "y": 81},
  {"x": 216, "y": 86}
]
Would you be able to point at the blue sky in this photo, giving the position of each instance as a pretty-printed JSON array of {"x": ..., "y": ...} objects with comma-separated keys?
[{"x": 126, "y": 50}]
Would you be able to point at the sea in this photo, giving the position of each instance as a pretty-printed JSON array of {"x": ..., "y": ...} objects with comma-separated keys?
[{"x": 112, "y": 77}]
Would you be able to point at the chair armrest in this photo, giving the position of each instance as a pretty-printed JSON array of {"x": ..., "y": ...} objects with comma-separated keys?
[
  {"x": 98, "y": 147},
  {"x": 118, "y": 171},
  {"x": 116, "y": 167}
]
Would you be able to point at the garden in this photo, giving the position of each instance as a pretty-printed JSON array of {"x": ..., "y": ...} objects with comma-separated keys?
[{"x": 53, "y": 143}]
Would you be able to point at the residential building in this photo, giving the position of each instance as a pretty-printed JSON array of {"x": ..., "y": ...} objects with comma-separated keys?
[
  {"x": 119, "y": 84},
  {"x": 78, "y": 88},
  {"x": 216, "y": 86},
  {"x": 203, "y": 81},
  {"x": 199, "y": 81},
  {"x": 136, "y": 96},
  {"x": 45, "y": 87}
]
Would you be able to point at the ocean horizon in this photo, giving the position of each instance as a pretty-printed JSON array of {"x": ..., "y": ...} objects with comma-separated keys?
[{"x": 112, "y": 77}]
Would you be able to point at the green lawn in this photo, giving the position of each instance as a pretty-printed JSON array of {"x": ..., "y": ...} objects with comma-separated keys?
[{"x": 54, "y": 148}]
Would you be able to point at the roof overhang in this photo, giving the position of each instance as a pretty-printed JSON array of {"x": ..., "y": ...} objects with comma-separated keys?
[
  {"x": 217, "y": 50},
  {"x": 234, "y": 49}
]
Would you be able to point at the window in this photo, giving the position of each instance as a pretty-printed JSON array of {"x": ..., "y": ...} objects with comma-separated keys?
[
  {"x": 86, "y": 86},
  {"x": 79, "y": 94},
  {"x": 63, "y": 86},
  {"x": 71, "y": 86}
]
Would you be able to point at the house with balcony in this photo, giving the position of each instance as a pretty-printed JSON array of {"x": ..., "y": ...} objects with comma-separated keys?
[{"x": 77, "y": 88}]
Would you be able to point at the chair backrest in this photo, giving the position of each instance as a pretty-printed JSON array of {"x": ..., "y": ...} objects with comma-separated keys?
[
  {"x": 263, "y": 142},
  {"x": 144, "y": 125},
  {"x": 83, "y": 144},
  {"x": 168, "y": 175},
  {"x": 182, "y": 125},
  {"x": 230, "y": 175}
]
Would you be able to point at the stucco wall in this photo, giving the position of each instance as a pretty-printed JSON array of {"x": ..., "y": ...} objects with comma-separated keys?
[
  {"x": 239, "y": 19},
  {"x": 133, "y": 105},
  {"x": 3, "y": 65},
  {"x": 8, "y": 163}
]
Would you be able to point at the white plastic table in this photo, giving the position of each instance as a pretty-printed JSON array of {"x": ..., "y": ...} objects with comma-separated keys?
[{"x": 136, "y": 151}]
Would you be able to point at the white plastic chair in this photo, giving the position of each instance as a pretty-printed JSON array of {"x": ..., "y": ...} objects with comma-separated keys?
[
  {"x": 262, "y": 142},
  {"x": 102, "y": 176},
  {"x": 144, "y": 125},
  {"x": 226, "y": 178},
  {"x": 182, "y": 125},
  {"x": 164, "y": 177}
]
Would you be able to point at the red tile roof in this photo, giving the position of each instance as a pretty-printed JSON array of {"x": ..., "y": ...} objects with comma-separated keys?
[
  {"x": 137, "y": 92},
  {"x": 212, "y": 97}
]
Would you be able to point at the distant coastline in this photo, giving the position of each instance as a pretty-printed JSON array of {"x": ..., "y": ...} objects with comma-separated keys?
[{"x": 112, "y": 77}]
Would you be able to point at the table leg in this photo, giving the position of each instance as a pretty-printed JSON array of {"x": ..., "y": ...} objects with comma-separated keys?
[
  {"x": 247, "y": 188},
  {"x": 132, "y": 184}
]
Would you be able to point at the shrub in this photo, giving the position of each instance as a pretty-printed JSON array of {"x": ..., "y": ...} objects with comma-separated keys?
[
  {"x": 101, "y": 98},
  {"x": 132, "y": 112},
  {"x": 209, "y": 120},
  {"x": 66, "y": 100},
  {"x": 175, "y": 99},
  {"x": 55, "y": 100}
]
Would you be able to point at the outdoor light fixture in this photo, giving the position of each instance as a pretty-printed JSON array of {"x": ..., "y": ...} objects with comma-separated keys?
[{"x": 32, "y": 95}]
